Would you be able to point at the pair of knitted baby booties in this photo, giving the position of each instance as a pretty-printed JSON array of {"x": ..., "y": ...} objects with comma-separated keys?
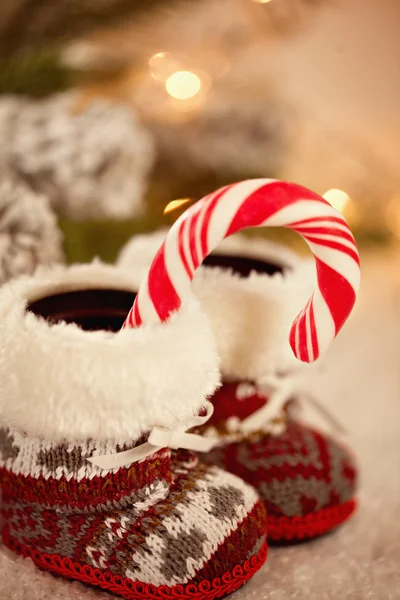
[{"x": 100, "y": 480}]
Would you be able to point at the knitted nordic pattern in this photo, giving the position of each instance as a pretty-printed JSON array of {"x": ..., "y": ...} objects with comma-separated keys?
[
  {"x": 52, "y": 474},
  {"x": 306, "y": 479},
  {"x": 154, "y": 523}
]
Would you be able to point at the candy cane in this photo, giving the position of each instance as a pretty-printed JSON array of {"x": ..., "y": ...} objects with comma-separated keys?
[{"x": 258, "y": 203}]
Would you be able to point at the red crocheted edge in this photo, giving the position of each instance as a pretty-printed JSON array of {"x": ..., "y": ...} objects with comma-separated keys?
[
  {"x": 137, "y": 590},
  {"x": 312, "y": 525}
]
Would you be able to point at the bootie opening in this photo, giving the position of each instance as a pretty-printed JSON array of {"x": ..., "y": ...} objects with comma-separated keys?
[
  {"x": 106, "y": 309},
  {"x": 91, "y": 310},
  {"x": 243, "y": 266}
]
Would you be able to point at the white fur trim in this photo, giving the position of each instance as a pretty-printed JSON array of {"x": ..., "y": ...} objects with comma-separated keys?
[
  {"x": 251, "y": 317},
  {"x": 139, "y": 251},
  {"x": 59, "y": 382}
]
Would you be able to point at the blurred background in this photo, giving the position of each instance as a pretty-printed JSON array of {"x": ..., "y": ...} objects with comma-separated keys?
[
  {"x": 110, "y": 110},
  {"x": 115, "y": 115}
]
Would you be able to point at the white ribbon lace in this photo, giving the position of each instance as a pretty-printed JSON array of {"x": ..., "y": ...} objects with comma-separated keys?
[
  {"x": 272, "y": 416},
  {"x": 160, "y": 437}
]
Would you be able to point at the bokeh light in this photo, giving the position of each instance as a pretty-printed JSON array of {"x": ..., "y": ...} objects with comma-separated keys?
[
  {"x": 338, "y": 199},
  {"x": 183, "y": 85},
  {"x": 163, "y": 64},
  {"x": 175, "y": 204}
]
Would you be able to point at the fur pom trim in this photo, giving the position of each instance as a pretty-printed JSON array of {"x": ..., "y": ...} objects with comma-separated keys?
[
  {"x": 251, "y": 317},
  {"x": 59, "y": 382}
]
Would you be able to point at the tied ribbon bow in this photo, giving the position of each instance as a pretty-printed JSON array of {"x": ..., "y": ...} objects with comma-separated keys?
[{"x": 160, "y": 437}]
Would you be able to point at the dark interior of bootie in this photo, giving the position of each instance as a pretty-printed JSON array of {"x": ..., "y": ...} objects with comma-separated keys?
[
  {"x": 243, "y": 266},
  {"x": 92, "y": 310},
  {"x": 106, "y": 309}
]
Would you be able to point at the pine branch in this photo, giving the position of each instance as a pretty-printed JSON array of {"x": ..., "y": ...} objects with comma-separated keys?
[
  {"x": 44, "y": 72},
  {"x": 30, "y": 25},
  {"x": 36, "y": 75}
]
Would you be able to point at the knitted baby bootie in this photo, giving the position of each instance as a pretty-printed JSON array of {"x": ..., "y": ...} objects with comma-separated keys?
[
  {"x": 253, "y": 291},
  {"x": 305, "y": 477},
  {"x": 91, "y": 488}
]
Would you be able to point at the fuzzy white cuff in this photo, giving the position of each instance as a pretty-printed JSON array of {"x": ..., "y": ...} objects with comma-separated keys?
[
  {"x": 251, "y": 317},
  {"x": 59, "y": 382}
]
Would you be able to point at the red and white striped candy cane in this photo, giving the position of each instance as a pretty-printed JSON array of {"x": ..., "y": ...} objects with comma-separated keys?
[{"x": 259, "y": 203}]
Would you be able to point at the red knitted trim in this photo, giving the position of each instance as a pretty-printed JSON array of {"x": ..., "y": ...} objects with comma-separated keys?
[
  {"x": 311, "y": 525},
  {"x": 86, "y": 492},
  {"x": 137, "y": 590}
]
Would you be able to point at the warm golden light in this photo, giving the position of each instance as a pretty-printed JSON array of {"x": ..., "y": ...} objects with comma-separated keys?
[
  {"x": 338, "y": 199},
  {"x": 156, "y": 58},
  {"x": 162, "y": 65},
  {"x": 183, "y": 85},
  {"x": 262, "y": 1},
  {"x": 393, "y": 216},
  {"x": 175, "y": 204}
]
